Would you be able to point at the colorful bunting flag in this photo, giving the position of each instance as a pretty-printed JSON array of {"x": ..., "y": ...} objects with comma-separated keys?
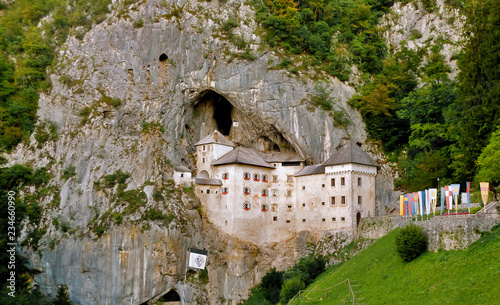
[
  {"x": 433, "y": 197},
  {"x": 485, "y": 188},
  {"x": 401, "y": 205},
  {"x": 442, "y": 199},
  {"x": 421, "y": 203},
  {"x": 467, "y": 185},
  {"x": 455, "y": 188}
]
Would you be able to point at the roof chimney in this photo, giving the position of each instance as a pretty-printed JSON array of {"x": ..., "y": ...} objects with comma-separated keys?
[{"x": 216, "y": 136}]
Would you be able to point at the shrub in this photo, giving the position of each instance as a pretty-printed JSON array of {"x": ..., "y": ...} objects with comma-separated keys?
[
  {"x": 290, "y": 288},
  {"x": 410, "y": 242}
]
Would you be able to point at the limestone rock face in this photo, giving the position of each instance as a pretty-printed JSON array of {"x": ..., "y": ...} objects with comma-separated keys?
[{"x": 134, "y": 97}]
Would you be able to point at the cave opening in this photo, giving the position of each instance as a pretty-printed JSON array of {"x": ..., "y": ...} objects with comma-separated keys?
[
  {"x": 171, "y": 296},
  {"x": 163, "y": 57},
  {"x": 221, "y": 108}
]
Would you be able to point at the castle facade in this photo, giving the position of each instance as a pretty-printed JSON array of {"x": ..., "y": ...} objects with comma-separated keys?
[{"x": 270, "y": 197}]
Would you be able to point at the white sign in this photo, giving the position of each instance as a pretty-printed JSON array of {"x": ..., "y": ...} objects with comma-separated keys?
[{"x": 197, "y": 258}]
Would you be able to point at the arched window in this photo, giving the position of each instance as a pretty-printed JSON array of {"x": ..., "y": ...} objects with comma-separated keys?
[
  {"x": 247, "y": 190},
  {"x": 264, "y": 207},
  {"x": 225, "y": 190},
  {"x": 247, "y": 206},
  {"x": 256, "y": 177},
  {"x": 225, "y": 176},
  {"x": 246, "y": 176},
  {"x": 265, "y": 192},
  {"x": 265, "y": 178}
]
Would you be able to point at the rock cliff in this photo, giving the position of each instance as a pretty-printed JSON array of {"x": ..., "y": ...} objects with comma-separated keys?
[{"x": 131, "y": 98}]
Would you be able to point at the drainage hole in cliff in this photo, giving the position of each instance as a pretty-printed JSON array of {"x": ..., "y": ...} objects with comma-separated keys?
[
  {"x": 170, "y": 297},
  {"x": 215, "y": 110}
]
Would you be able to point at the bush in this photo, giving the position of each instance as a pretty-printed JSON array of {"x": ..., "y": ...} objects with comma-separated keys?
[
  {"x": 290, "y": 288},
  {"x": 410, "y": 242}
]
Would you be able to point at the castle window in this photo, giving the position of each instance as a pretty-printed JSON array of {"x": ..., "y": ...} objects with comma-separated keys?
[
  {"x": 359, "y": 181},
  {"x": 208, "y": 191},
  {"x": 204, "y": 147},
  {"x": 323, "y": 185},
  {"x": 274, "y": 207},
  {"x": 275, "y": 218},
  {"x": 265, "y": 192},
  {"x": 332, "y": 200},
  {"x": 322, "y": 203},
  {"x": 288, "y": 221},
  {"x": 304, "y": 205},
  {"x": 323, "y": 219},
  {"x": 265, "y": 178},
  {"x": 202, "y": 191},
  {"x": 182, "y": 175},
  {"x": 359, "y": 199},
  {"x": 289, "y": 178},
  {"x": 203, "y": 160},
  {"x": 247, "y": 190},
  {"x": 275, "y": 178},
  {"x": 332, "y": 182},
  {"x": 225, "y": 176},
  {"x": 256, "y": 177},
  {"x": 303, "y": 187},
  {"x": 289, "y": 208},
  {"x": 334, "y": 219},
  {"x": 342, "y": 181},
  {"x": 342, "y": 218},
  {"x": 225, "y": 190},
  {"x": 289, "y": 193},
  {"x": 303, "y": 220},
  {"x": 275, "y": 192},
  {"x": 246, "y": 176},
  {"x": 264, "y": 207},
  {"x": 342, "y": 200},
  {"x": 247, "y": 206}
]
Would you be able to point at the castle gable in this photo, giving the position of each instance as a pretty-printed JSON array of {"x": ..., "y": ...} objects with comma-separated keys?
[
  {"x": 350, "y": 153},
  {"x": 242, "y": 155},
  {"x": 215, "y": 138}
]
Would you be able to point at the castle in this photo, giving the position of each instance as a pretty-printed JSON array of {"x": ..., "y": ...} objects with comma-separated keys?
[{"x": 272, "y": 196}]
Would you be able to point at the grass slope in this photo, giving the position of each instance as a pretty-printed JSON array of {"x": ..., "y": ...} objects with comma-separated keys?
[{"x": 470, "y": 276}]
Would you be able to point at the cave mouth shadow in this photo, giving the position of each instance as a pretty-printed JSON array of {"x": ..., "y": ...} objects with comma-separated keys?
[
  {"x": 222, "y": 110},
  {"x": 171, "y": 296}
]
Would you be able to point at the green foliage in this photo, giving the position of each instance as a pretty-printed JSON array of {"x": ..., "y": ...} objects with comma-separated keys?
[
  {"x": 204, "y": 276},
  {"x": 117, "y": 217},
  {"x": 112, "y": 179},
  {"x": 489, "y": 163},
  {"x": 308, "y": 27},
  {"x": 25, "y": 55},
  {"x": 138, "y": 24},
  {"x": 154, "y": 214},
  {"x": 62, "y": 297},
  {"x": 279, "y": 286},
  {"x": 410, "y": 242},
  {"x": 45, "y": 131},
  {"x": 322, "y": 99},
  {"x": 68, "y": 172}
]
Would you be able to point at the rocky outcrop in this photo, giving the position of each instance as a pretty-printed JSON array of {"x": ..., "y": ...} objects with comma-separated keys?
[{"x": 133, "y": 96}]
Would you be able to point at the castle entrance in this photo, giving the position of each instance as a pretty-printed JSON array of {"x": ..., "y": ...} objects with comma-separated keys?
[
  {"x": 358, "y": 218},
  {"x": 170, "y": 298}
]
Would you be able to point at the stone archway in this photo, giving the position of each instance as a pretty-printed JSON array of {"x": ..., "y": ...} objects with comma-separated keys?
[
  {"x": 170, "y": 298},
  {"x": 203, "y": 174},
  {"x": 358, "y": 218}
]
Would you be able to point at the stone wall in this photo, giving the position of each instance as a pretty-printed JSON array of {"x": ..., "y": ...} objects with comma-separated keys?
[{"x": 444, "y": 232}]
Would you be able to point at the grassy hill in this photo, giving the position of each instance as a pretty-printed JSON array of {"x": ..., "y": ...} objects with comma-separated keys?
[{"x": 470, "y": 276}]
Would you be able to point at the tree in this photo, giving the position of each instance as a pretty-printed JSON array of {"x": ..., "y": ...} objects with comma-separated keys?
[
  {"x": 410, "y": 242},
  {"x": 62, "y": 297},
  {"x": 489, "y": 163}
]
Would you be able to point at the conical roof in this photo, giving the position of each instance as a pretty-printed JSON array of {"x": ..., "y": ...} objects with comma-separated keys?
[
  {"x": 350, "y": 153},
  {"x": 215, "y": 137}
]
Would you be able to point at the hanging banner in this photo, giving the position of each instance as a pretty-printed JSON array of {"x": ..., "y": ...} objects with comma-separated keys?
[
  {"x": 401, "y": 205},
  {"x": 197, "y": 258},
  {"x": 415, "y": 203},
  {"x": 449, "y": 197},
  {"x": 442, "y": 199},
  {"x": 421, "y": 203},
  {"x": 467, "y": 186},
  {"x": 455, "y": 188},
  {"x": 433, "y": 198},
  {"x": 485, "y": 188},
  {"x": 427, "y": 202},
  {"x": 407, "y": 210}
]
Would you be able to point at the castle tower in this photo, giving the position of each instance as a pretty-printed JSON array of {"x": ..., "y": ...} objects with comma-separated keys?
[{"x": 209, "y": 149}]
